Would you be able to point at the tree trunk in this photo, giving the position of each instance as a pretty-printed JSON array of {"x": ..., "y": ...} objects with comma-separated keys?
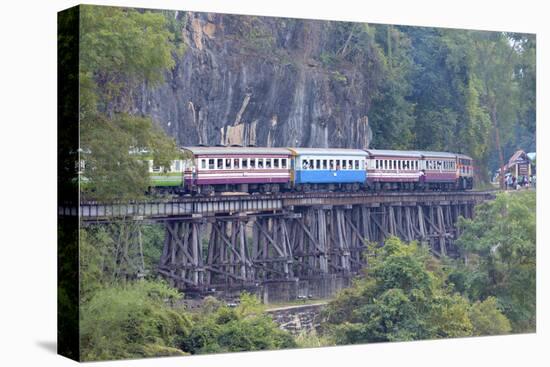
[{"x": 497, "y": 141}]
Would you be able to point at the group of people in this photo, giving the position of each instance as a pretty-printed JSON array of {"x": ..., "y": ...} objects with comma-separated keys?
[{"x": 522, "y": 181}]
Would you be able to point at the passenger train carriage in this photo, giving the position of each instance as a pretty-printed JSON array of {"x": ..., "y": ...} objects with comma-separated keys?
[
  {"x": 393, "y": 169},
  {"x": 237, "y": 169},
  {"x": 440, "y": 170},
  {"x": 254, "y": 169},
  {"x": 314, "y": 168}
]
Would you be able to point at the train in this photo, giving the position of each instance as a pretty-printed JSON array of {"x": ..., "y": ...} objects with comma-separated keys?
[{"x": 221, "y": 169}]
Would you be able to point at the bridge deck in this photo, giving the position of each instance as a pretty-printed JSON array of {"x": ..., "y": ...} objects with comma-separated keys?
[{"x": 215, "y": 205}]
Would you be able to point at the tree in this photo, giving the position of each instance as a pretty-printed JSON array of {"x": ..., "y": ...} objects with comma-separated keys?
[
  {"x": 499, "y": 248},
  {"x": 121, "y": 49},
  {"x": 219, "y": 328},
  {"x": 487, "y": 319},
  {"x": 132, "y": 320},
  {"x": 391, "y": 114},
  {"x": 403, "y": 296}
]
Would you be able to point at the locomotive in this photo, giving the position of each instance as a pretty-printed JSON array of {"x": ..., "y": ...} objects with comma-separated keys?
[{"x": 271, "y": 170}]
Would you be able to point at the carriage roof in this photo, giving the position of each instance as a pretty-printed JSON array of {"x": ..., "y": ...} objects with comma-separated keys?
[
  {"x": 328, "y": 151},
  {"x": 429, "y": 154},
  {"x": 236, "y": 150},
  {"x": 394, "y": 153}
]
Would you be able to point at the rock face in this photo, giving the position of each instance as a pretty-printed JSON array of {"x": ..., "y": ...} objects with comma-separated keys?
[
  {"x": 298, "y": 319},
  {"x": 262, "y": 81}
]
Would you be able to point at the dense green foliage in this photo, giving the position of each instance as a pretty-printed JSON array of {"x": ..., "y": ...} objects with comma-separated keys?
[
  {"x": 132, "y": 320},
  {"x": 439, "y": 89},
  {"x": 246, "y": 327},
  {"x": 121, "y": 49},
  {"x": 405, "y": 295},
  {"x": 500, "y": 248},
  {"x": 487, "y": 319}
]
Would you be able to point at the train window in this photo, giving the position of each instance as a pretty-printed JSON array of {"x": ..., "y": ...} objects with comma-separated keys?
[
  {"x": 376, "y": 163},
  {"x": 245, "y": 163},
  {"x": 275, "y": 162},
  {"x": 356, "y": 164},
  {"x": 362, "y": 165},
  {"x": 211, "y": 164},
  {"x": 344, "y": 164},
  {"x": 338, "y": 164},
  {"x": 220, "y": 163},
  {"x": 416, "y": 165},
  {"x": 317, "y": 164},
  {"x": 268, "y": 163},
  {"x": 350, "y": 164},
  {"x": 228, "y": 163},
  {"x": 311, "y": 164},
  {"x": 283, "y": 163},
  {"x": 331, "y": 164},
  {"x": 325, "y": 164},
  {"x": 203, "y": 163},
  {"x": 398, "y": 164},
  {"x": 236, "y": 163},
  {"x": 252, "y": 163},
  {"x": 260, "y": 163}
]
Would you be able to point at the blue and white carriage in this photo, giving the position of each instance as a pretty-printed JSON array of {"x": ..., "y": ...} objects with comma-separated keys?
[{"x": 316, "y": 168}]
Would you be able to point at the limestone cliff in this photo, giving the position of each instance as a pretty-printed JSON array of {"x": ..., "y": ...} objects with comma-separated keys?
[{"x": 263, "y": 81}]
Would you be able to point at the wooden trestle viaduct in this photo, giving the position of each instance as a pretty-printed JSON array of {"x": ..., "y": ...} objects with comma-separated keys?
[{"x": 308, "y": 244}]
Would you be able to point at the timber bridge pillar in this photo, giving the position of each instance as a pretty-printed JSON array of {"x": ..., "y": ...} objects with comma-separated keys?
[{"x": 286, "y": 246}]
